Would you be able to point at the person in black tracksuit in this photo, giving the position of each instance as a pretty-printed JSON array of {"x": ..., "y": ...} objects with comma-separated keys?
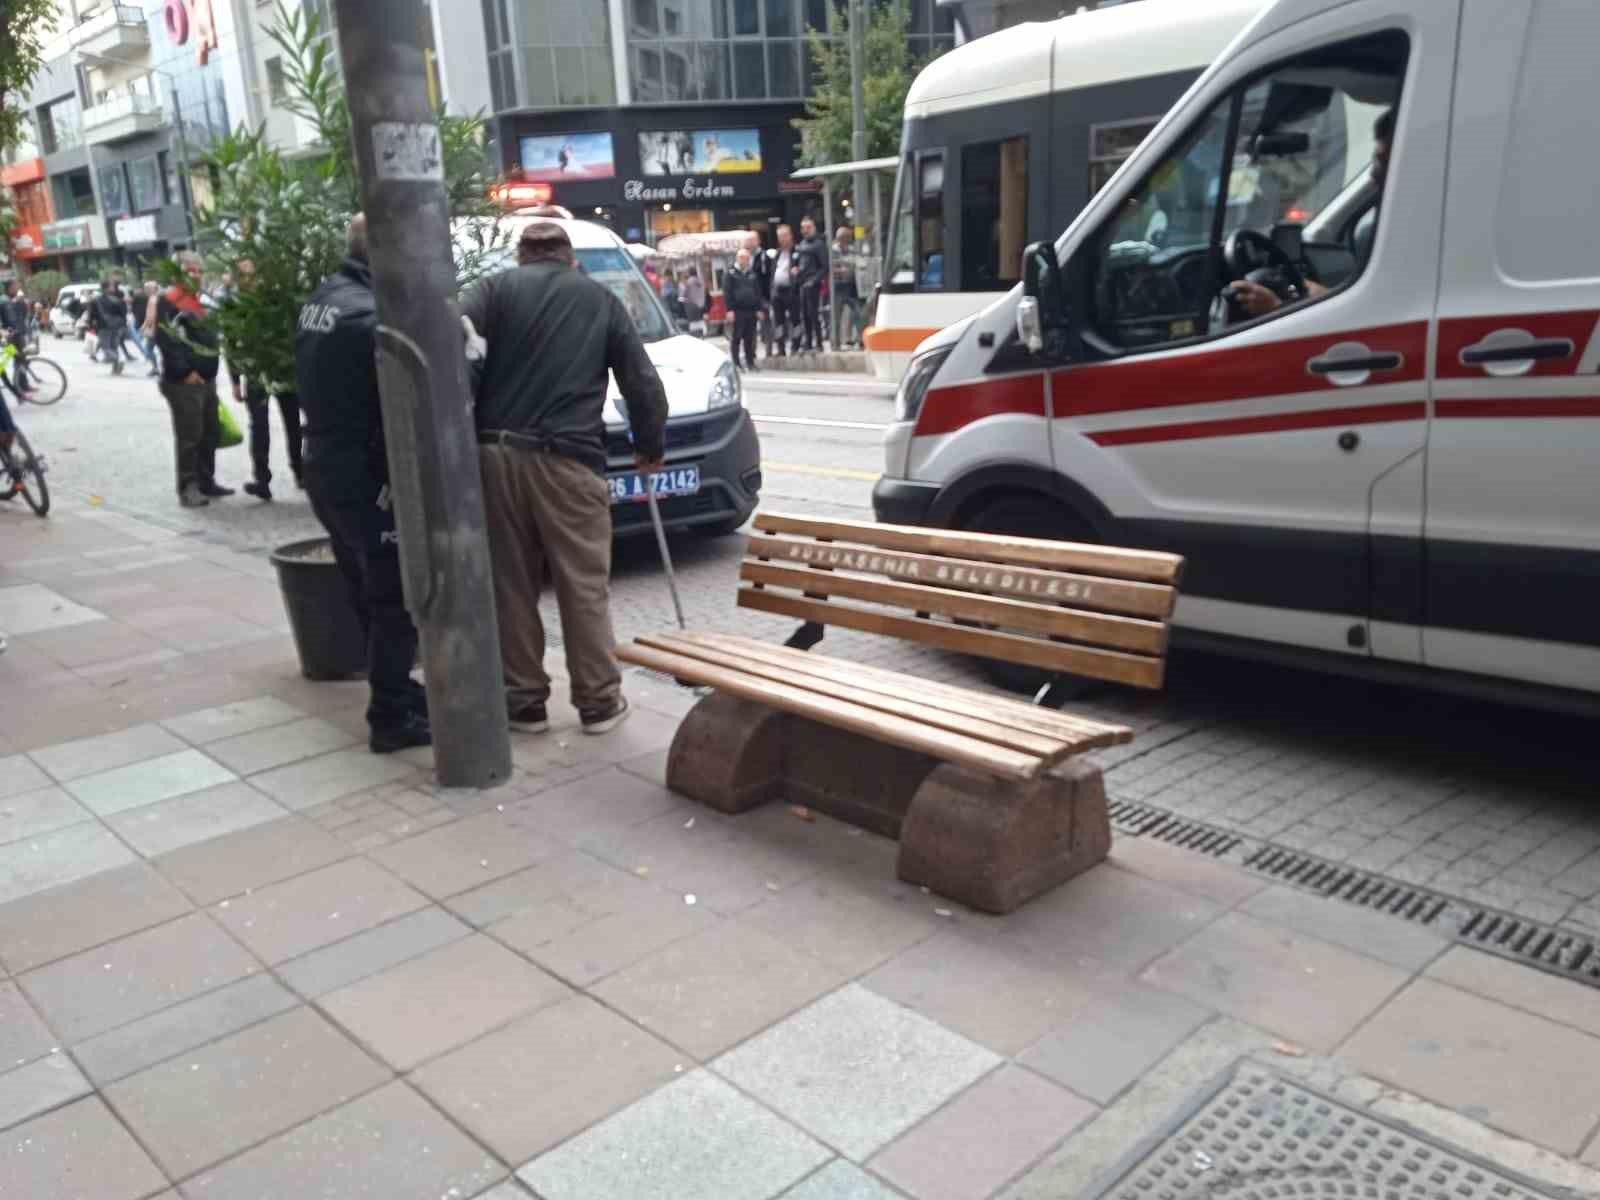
[
  {"x": 14, "y": 320},
  {"x": 811, "y": 257},
  {"x": 111, "y": 323},
  {"x": 741, "y": 288},
  {"x": 347, "y": 478}
]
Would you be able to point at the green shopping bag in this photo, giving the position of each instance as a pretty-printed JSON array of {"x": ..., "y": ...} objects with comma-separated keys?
[{"x": 228, "y": 431}]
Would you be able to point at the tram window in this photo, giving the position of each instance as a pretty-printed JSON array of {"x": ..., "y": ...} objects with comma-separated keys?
[
  {"x": 903, "y": 249},
  {"x": 1109, "y": 144},
  {"x": 930, "y": 223},
  {"x": 994, "y": 214}
]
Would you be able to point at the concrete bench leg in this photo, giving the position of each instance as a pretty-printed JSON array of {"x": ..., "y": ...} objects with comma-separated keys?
[
  {"x": 729, "y": 753},
  {"x": 994, "y": 845}
]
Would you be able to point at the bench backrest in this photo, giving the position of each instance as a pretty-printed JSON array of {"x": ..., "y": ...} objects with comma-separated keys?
[{"x": 1078, "y": 609}]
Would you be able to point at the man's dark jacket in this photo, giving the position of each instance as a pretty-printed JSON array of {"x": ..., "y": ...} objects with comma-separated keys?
[
  {"x": 555, "y": 336},
  {"x": 336, "y": 370},
  {"x": 742, "y": 290},
  {"x": 113, "y": 312},
  {"x": 14, "y": 315},
  {"x": 185, "y": 336},
  {"x": 811, "y": 260}
]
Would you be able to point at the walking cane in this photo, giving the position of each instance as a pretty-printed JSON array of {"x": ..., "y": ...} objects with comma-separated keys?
[{"x": 666, "y": 555}]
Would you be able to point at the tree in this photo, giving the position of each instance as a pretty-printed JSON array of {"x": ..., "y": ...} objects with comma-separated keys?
[
  {"x": 44, "y": 286},
  {"x": 286, "y": 217},
  {"x": 23, "y": 26},
  {"x": 888, "y": 67}
]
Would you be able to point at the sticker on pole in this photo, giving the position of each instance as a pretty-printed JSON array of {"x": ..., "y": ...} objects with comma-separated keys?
[{"x": 408, "y": 153}]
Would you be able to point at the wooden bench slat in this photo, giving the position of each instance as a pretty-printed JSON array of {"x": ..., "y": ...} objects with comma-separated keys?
[
  {"x": 1048, "y": 721},
  {"x": 959, "y": 701},
  {"x": 1100, "y": 629},
  {"x": 913, "y": 735},
  {"x": 1132, "y": 599},
  {"x": 1050, "y": 750},
  {"x": 1114, "y": 665},
  {"x": 1145, "y": 565}
]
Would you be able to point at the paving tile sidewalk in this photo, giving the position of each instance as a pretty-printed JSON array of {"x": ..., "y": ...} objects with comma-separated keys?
[{"x": 240, "y": 957}]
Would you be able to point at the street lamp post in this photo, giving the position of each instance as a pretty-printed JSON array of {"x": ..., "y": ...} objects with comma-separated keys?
[{"x": 427, "y": 414}]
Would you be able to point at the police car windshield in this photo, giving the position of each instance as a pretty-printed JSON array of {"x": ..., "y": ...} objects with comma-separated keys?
[{"x": 615, "y": 268}]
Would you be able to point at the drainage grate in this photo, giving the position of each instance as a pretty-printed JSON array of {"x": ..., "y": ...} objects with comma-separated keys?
[
  {"x": 1140, "y": 820},
  {"x": 1347, "y": 884},
  {"x": 1558, "y": 951},
  {"x": 1258, "y": 1135},
  {"x": 1562, "y": 952}
]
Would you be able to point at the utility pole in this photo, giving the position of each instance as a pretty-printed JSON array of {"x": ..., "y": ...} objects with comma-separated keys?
[
  {"x": 433, "y": 452},
  {"x": 858, "y": 109}
]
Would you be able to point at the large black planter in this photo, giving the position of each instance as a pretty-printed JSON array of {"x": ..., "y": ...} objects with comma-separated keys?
[{"x": 327, "y": 632}]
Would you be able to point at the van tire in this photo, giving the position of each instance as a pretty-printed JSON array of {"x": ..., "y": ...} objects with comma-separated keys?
[{"x": 1026, "y": 515}]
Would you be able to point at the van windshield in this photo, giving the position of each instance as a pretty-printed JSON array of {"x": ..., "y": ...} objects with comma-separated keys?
[{"x": 616, "y": 269}]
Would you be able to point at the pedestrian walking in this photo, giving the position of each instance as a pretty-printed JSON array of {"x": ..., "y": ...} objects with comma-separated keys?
[
  {"x": 140, "y": 325},
  {"x": 741, "y": 288},
  {"x": 111, "y": 323},
  {"x": 555, "y": 337},
  {"x": 694, "y": 300},
  {"x": 846, "y": 290},
  {"x": 811, "y": 257},
  {"x": 347, "y": 478},
  {"x": 785, "y": 292},
  {"x": 189, "y": 363}
]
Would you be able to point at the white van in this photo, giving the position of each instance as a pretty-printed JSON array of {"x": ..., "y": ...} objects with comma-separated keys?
[
  {"x": 711, "y": 478},
  {"x": 1383, "y": 458}
]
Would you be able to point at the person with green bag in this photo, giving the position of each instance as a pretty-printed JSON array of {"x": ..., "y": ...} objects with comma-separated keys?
[{"x": 187, "y": 338}]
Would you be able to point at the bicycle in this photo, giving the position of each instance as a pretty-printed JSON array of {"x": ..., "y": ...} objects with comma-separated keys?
[
  {"x": 21, "y": 470},
  {"x": 47, "y": 381}
]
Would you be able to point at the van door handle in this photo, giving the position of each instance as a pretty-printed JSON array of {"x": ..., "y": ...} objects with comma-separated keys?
[
  {"x": 1497, "y": 351},
  {"x": 1330, "y": 364}
]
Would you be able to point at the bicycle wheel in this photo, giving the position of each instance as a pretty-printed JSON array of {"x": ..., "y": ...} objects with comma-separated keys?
[
  {"x": 48, "y": 380},
  {"x": 27, "y": 472}
]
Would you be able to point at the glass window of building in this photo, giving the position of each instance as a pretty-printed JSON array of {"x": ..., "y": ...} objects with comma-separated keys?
[
  {"x": 73, "y": 194},
  {"x": 114, "y": 190},
  {"x": 60, "y": 125},
  {"x": 144, "y": 184},
  {"x": 551, "y": 54},
  {"x": 752, "y": 49}
]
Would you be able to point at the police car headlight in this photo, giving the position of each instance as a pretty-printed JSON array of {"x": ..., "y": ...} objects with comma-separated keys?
[
  {"x": 725, "y": 390},
  {"x": 914, "y": 387}
]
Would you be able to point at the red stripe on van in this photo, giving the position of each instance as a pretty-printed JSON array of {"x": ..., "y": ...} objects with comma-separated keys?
[
  {"x": 1372, "y": 414},
  {"x": 1456, "y": 334},
  {"x": 1534, "y": 406},
  {"x": 1216, "y": 376},
  {"x": 947, "y": 409}
]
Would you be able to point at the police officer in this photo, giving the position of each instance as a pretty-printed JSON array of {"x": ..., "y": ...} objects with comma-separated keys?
[{"x": 347, "y": 475}]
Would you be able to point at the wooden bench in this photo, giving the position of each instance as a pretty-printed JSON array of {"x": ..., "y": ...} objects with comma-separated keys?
[{"x": 986, "y": 794}]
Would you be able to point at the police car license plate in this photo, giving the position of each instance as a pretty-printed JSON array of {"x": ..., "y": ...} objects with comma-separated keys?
[{"x": 675, "y": 481}]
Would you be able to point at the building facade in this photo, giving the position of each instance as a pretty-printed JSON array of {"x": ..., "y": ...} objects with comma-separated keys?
[
  {"x": 658, "y": 116},
  {"x": 130, "y": 97}
]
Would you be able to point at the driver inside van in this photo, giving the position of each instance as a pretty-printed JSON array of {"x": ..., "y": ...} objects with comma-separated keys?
[{"x": 1257, "y": 299}]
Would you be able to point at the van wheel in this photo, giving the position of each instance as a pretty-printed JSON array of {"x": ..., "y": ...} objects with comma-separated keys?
[{"x": 1029, "y": 516}]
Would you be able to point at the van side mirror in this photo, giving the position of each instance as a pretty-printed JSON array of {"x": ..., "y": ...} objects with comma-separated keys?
[{"x": 1042, "y": 311}]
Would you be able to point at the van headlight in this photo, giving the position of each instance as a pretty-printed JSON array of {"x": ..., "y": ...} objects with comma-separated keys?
[
  {"x": 725, "y": 391},
  {"x": 914, "y": 387}
]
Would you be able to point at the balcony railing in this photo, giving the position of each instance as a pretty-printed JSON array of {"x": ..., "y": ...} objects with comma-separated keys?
[
  {"x": 120, "y": 27},
  {"x": 123, "y": 116}
]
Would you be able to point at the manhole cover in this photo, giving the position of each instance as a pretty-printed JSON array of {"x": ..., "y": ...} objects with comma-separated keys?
[{"x": 1259, "y": 1136}]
